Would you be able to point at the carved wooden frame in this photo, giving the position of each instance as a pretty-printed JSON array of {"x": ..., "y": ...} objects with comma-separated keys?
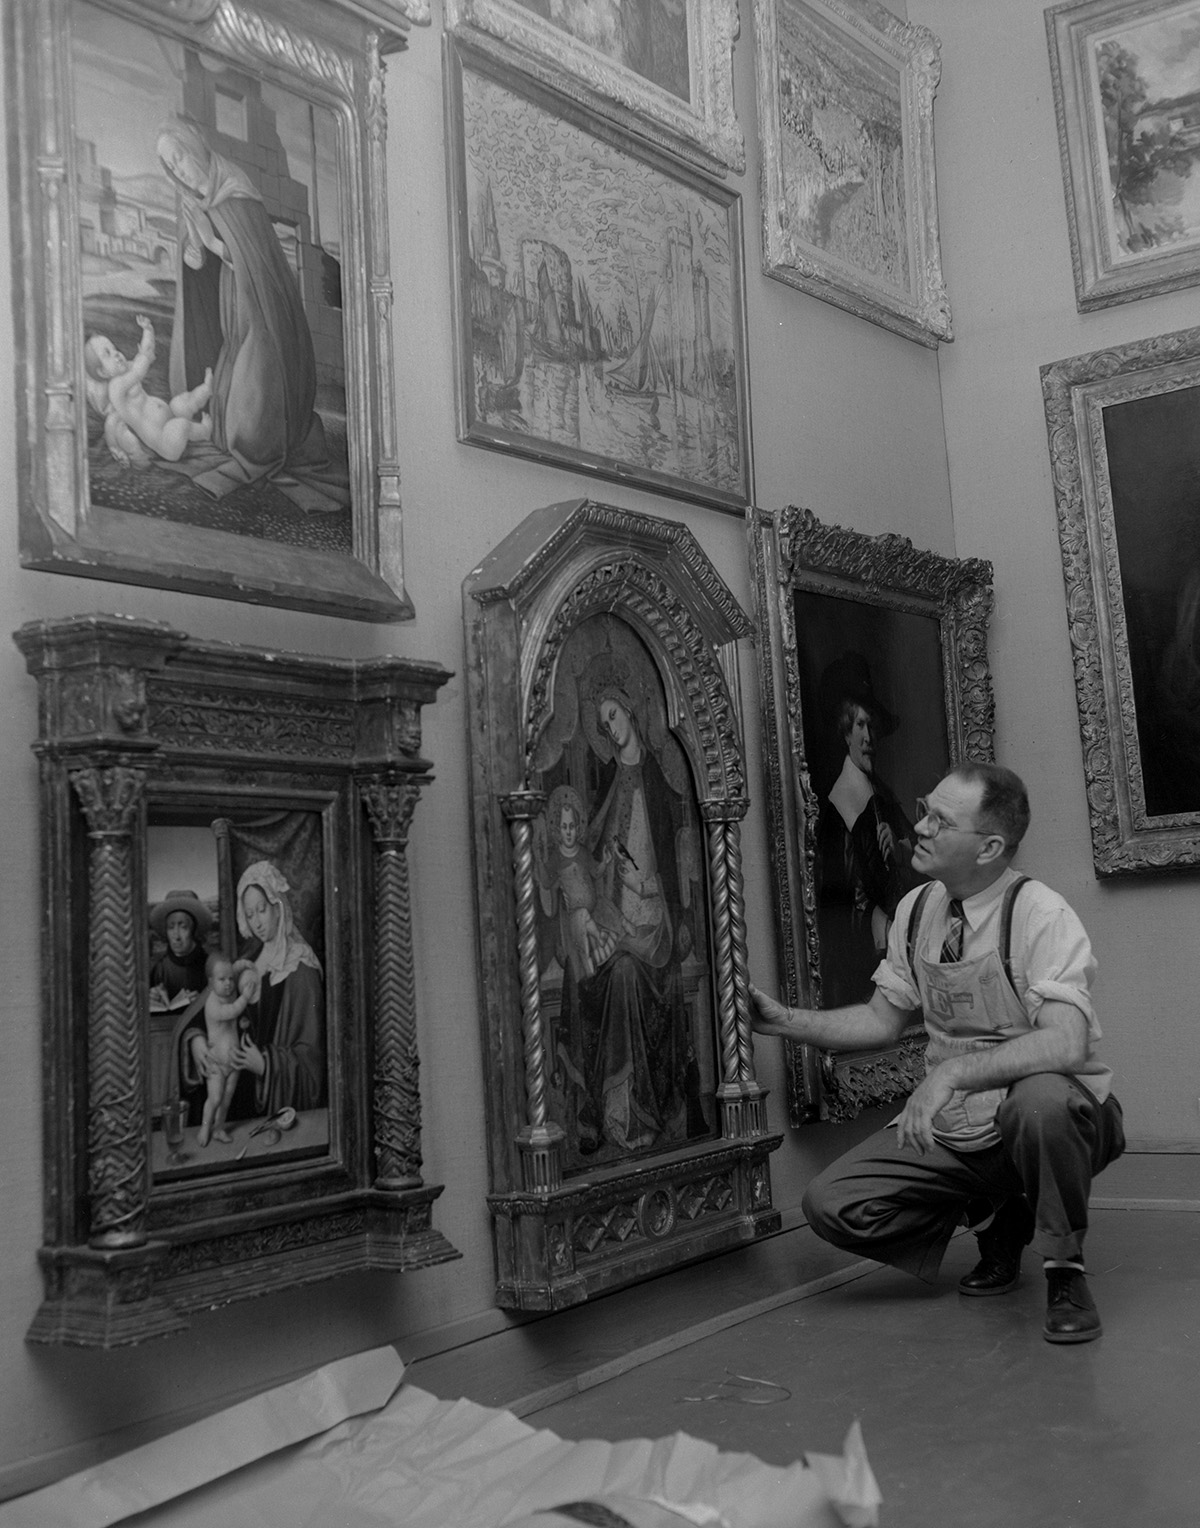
[
  {"x": 705, "y": 127},
  {"x": 138, "y": 718},
  {"x": 793, "y": 551},
  {"x": 330, "y": 55},
  {"x": 561, "y": 1238},
  {"x": 1128, "y": 836},
  {"x": 919, "y": 310}
]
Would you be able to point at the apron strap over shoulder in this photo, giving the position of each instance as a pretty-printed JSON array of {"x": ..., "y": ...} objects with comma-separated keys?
[
  {"x": 1006, "y": 923},
  {"x": 914, "y": 925}
]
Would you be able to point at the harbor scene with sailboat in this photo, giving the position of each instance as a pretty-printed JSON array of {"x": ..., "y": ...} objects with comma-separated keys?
[{"x": 602, "y": 299}]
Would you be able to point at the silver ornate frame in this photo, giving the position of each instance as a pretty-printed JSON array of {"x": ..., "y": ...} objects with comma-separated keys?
[
  {"x": 922, "y": 312},
  {"x": 1126, "y": 838},
  {"x": 562, "y": 1238},
  {"x": 331, "y": 54},
  {"x": 790, "y": 551},
  {"x": 138, "y": 719},
  {"x": 1100, "y": 280},
  {"x": 705, "y": 128}
]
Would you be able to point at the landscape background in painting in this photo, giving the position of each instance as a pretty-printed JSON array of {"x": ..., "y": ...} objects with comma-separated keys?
[
  {"x": 648, "y": 36},
  {"x": 843, "y": 149},
  {"x": 601, "y": 301},
  {"x": 1146, "y": 97},
  {"x": 127, "y": 82}
]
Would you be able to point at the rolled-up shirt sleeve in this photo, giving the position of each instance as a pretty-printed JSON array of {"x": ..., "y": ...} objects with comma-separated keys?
[
  {"x": 893, "y": 975},
  {"x": 1058, "y": 965}
]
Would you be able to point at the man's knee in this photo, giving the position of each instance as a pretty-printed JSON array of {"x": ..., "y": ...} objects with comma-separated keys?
[
  {"x": 817, "y": 1209},
  {"x": 1045, "y": 1103}
]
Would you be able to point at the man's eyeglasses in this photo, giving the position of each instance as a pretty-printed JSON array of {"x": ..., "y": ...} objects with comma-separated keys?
[{"x": 936, "y": 824}]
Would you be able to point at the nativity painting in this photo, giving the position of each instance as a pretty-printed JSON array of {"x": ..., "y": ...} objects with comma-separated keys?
[{"x": 209, "y": 218}]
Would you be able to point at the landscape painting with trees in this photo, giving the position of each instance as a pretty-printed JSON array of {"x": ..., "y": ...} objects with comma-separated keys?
[
  {"x": 1149, "y": 89},
  {"x": 1127, "y": 92}
]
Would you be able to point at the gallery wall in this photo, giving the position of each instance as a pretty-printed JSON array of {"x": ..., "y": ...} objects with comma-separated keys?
[
  {"x": 846, "y": 420},
  {"x": 1008, "y": 266}
]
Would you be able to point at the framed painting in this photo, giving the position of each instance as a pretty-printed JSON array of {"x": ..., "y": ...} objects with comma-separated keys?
[
  {"x": 1126, "y": 76},
  {"x": 669, "y": 62},
  {"x": 874, "y": 682},
  {"x": 845, "y": 112},
  {"x": 627, "y": 1132},
  {"x": 204, "y": 302},
  {"x": 599, "y": 304},
  {"x": 1125, "y": 457},
  {"x": 231, "y": 1100}
]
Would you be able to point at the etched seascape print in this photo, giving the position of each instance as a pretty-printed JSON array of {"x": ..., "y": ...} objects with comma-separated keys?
[
  {"x": 600, "y": 302},
  {"x": 210, "y": 232},
  {"x": 843, "y": 147}
]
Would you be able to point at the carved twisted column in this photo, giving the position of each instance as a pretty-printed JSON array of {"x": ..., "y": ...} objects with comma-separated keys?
[
  {"x": 396, "y": 1084},
  {"x": 743, "y": 1110},
  {"x": 118, "y": 1133},
  {"x": 540, "y": 1141}
]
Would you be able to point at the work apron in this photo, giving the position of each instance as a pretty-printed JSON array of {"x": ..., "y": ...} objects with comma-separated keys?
[{"x": 968, "y": 1005}]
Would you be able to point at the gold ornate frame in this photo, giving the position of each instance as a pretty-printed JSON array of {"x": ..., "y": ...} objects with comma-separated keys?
[
  {"x": 141, "y": 724},
  {"x": 81, "y": 511},
  {"x": 793, "y": 553},
  {"x": 564, "y": 1235},
  {"x": 1125, "y": 517},
  {"x": 1104, "y": 274}
]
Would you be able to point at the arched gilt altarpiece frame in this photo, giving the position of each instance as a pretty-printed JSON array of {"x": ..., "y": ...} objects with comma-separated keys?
[{"x": 627, "y": 1131}]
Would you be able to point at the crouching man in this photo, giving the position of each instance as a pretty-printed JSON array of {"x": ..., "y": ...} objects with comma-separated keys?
[{"x": 1015, "y": 1115}]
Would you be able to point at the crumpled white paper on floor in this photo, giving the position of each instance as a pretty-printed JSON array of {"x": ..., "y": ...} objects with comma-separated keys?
[{"x": 421, "y": 1462}]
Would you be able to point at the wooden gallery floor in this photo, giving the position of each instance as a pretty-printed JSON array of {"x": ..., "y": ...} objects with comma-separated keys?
[{"x": 970, "y": 1417}]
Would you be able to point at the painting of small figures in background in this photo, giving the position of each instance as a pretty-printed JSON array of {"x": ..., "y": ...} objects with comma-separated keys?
[
  {"x": 843, "y": 147},
  {"x": 601, "y": 302},
  {"x": 210, "y": 232},
  {"x": 1148, "y": 76},
  {"x": 623, "y": 939},
  {"x": 648, "y": 36}
]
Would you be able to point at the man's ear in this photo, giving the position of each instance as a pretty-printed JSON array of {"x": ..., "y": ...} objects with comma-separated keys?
[{"x": 991, "y": 849}]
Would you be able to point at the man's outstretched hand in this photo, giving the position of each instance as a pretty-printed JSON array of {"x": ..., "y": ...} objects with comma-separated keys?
[{"x": 768, "y": 1016}]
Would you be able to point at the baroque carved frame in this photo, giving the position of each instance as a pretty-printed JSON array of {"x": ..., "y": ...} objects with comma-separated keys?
[
  {"x": 1128, "y": 837},
  {"x": 138, "y": 719},
  {"x": 793, "y": 551},
  {"x": 331, "y": 55},
  {"x": 563, "y": 1237},
  {"x": 922, "y": 311},
  {"x": 705, "y": 129}
]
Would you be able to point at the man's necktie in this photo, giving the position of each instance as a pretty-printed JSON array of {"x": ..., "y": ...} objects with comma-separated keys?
[{"x": 953, "y": 944}]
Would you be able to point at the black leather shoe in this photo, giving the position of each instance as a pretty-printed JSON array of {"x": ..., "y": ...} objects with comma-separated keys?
[
  {"x": 1000, "y": 1246},
  {"x": 1071, "y": 1314}
]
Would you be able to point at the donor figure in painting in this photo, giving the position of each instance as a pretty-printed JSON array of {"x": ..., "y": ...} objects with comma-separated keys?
[
  {"x": 280, "y": 1060},
  {"x": 239, "y": 313},
  {"x": 619, "y": 882},
  {"x": 864, "y": 839}
]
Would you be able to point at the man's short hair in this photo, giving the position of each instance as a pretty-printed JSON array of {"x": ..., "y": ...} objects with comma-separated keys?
[{"x": 1004, "y": 803}]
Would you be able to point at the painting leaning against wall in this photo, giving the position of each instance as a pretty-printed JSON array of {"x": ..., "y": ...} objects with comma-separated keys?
[{"x": 599, "y": 294}]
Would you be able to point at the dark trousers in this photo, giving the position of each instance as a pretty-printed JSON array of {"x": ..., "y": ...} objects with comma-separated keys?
[{"x": 901, "y": 1207}]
